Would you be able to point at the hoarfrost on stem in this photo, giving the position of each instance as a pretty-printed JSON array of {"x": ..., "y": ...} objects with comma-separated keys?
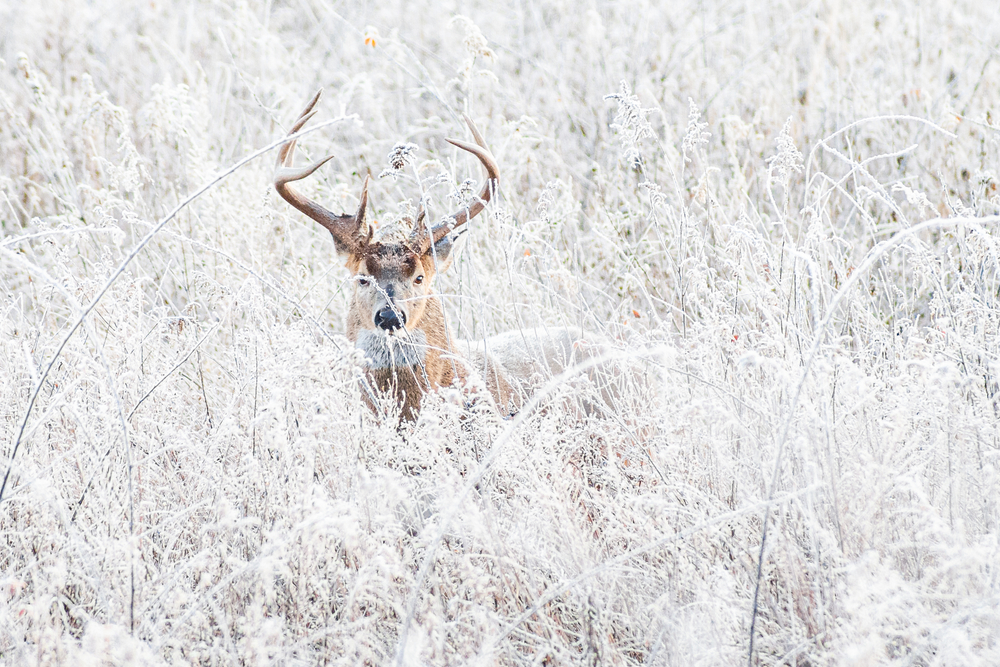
[
  {"x": 696, "y": 135},
  {"x": 630, "y": 123},
  {"x": 788, "y": 159},
  {"x": 401, "y": 155}
]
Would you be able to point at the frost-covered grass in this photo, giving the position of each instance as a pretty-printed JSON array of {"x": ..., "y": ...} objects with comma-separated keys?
[{"x": 785, "y": 214}]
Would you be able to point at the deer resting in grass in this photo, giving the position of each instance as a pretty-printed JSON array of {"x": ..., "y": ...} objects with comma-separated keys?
[{"x": 395, "y": 318}]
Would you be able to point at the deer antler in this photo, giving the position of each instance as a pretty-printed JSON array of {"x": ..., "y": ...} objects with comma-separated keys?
[
  {"x": 422, "y": 238},
  {"x": 346, "y": 229}
]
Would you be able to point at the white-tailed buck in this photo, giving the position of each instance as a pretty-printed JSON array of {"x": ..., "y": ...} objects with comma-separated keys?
[{"x": 396, "y": 319}]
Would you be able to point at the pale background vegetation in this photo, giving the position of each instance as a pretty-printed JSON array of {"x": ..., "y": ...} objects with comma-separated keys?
[{"x": 195, "y": 480}]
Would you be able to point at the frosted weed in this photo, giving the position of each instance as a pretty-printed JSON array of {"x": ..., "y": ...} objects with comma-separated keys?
[{"x": 787, "y": 216}]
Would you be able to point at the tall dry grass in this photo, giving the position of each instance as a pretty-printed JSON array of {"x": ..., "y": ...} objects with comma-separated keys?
[{"x": 783, "y": 214}]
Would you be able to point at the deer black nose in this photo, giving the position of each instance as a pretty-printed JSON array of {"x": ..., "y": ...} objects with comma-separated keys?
[{"x": 388, "y": 319}]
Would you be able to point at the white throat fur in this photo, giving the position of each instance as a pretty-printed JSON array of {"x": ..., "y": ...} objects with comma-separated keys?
[{"x": 383, "y": 350}]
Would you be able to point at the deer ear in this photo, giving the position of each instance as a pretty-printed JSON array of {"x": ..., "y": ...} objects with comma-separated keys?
[
  {"x": 345, "y": 252},
  {"x": 441, "y": 252}
]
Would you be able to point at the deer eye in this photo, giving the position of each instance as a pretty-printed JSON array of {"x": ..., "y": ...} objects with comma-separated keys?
[
  {"x": 364, "y": 281},
  {"x": 418, "y": 280}
]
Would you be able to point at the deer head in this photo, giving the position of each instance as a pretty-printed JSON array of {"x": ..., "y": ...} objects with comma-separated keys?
[{"x": 394, "y": 267}]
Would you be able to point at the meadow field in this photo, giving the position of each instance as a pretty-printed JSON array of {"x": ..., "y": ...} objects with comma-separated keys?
[{"x": 780, "y": 219}]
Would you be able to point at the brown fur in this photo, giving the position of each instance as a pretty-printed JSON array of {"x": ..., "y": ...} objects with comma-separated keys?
[{"x": 392, "y": 270}]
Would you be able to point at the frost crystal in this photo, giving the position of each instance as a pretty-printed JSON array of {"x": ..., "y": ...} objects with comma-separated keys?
[
  {"x": 476, "y": 44},
  {"x": 474, "y": 40},
  {"x": 788, "y": 160},
  {"x": 399, "y": 157},
  {"x": 918, "y": 199},
  {"x": 465, "y": 193},
  {"x": 696, "y": 134},
  {"x": 630, "y": 123},
  {"x": 656, "y": 197}
]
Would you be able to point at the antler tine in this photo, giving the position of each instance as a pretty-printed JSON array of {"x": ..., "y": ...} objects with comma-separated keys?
[
  {"x": 344, "y": 228},
  {"x": 459, "y": 218},
  {"x": 359, "y": 217},
  {"x": 286, "y": 154}
]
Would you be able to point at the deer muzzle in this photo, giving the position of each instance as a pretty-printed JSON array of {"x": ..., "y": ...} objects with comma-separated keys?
[{"x": 389, "y": 318}]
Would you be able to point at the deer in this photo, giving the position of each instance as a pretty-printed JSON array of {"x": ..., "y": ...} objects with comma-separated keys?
[{"x": 395, "y": 317}]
